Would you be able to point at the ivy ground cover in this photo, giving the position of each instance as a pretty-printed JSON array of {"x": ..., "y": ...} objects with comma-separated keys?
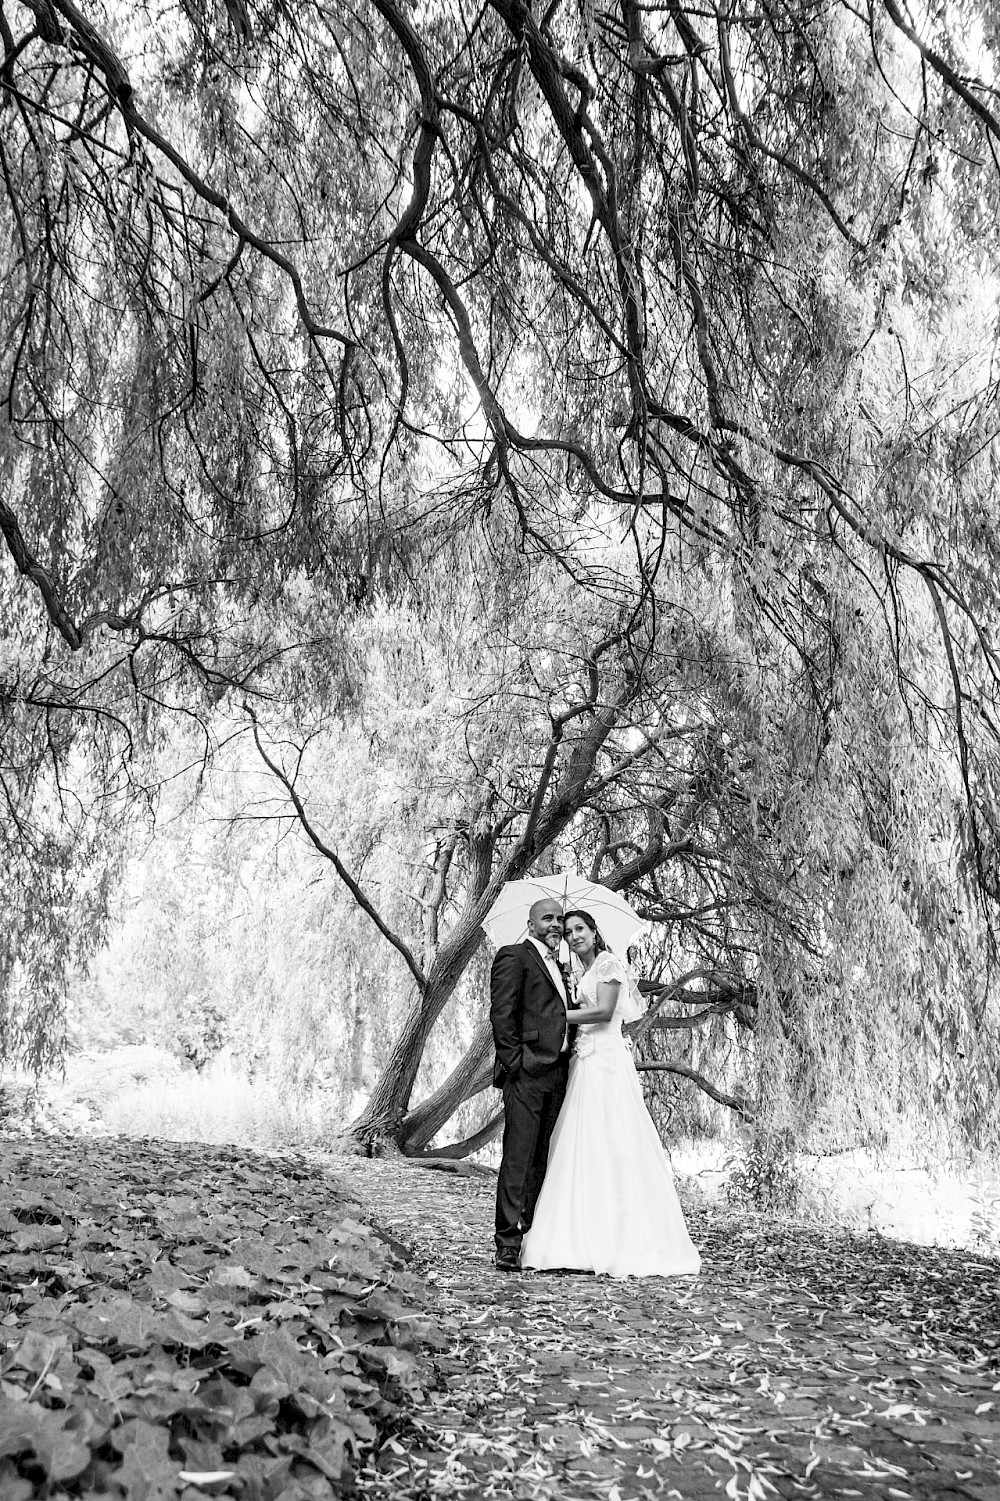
[{"x": 184, "y": 1320}]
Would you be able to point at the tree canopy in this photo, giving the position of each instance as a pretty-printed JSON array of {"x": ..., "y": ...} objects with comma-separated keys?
[{"x": 636, "y": 364}]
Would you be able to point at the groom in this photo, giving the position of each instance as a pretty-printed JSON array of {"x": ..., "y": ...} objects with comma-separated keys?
[{"x": 528, "y": 1003}]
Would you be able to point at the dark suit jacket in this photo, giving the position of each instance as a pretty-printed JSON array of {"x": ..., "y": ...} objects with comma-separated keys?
[{"x": 527, "y": 1013}]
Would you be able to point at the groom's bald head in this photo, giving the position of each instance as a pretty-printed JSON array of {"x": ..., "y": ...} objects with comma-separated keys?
[{"x": 545, "y": 921}]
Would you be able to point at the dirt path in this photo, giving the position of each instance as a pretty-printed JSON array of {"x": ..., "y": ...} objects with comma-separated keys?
[{"x": 800, "y": 1363}]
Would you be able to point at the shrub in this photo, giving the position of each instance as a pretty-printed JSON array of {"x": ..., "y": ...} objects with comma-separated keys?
[{"x": 766, "y": 1175}]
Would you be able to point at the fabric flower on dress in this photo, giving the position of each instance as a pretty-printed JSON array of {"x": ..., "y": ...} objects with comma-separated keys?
[{"x": 584, "y": 1044}]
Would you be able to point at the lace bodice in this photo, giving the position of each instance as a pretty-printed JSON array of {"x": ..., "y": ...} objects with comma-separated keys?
[{"x": 606, "y": 968}]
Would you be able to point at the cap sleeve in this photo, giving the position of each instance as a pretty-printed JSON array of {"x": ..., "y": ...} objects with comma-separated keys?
[{"x": 609, "y": 970}]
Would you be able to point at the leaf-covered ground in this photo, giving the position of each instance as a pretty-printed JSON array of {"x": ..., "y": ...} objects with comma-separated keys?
[
  {"x": 185, "y": 1321},
  {"x": 799, "y": 1364}
]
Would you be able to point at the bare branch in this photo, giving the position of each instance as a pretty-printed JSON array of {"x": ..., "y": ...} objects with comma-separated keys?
[{"x": 328, "y": 854}]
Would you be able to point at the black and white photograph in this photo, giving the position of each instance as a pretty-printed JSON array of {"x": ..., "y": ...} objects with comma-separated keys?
[{"x": 499, "y": 750}]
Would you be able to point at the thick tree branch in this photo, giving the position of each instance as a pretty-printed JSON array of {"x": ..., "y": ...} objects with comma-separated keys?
[
  {"x": 40, "y": 577},
  {"x": 944, "y": 70},
  {"x": 457, "y": 1150},
  {"x": 725, "y": 986},
  {"x": 706, "y": 1085}
]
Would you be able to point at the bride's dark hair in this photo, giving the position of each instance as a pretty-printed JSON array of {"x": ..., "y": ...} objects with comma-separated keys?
[{"x": 599, "y": 945}]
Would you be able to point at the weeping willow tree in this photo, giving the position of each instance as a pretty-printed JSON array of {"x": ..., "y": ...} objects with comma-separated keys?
[
  {"x": 297, "y": 303},
  {"x": 809, "y": 957}
]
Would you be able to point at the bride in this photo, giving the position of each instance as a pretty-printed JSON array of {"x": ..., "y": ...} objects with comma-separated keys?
[{"x": 608, "y": 1202}]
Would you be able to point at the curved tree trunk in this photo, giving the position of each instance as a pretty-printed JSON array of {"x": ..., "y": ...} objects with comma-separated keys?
[
  {"x": 472, "y": 1074},
  {"x": 456, "y": 1150},
  {"x": 552, "y": 810},
  {"x": 382, "y": 1118}
]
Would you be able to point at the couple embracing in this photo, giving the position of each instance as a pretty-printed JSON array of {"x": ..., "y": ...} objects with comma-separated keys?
[{"x": 584, "y": 1182}]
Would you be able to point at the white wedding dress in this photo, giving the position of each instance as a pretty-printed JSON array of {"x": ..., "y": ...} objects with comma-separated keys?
[{"x": 608, "y": 1202}]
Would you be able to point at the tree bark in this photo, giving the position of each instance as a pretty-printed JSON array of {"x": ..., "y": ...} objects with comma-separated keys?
[
  {"x": 719, "y": 1095},
  {"x": 473, "y": 1073},
  {"x": 383, "y": 1116},
  {"x": 459, "y": 1149}
]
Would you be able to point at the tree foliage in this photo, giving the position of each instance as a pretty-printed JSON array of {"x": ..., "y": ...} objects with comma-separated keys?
[{"x": 639, "y": 363}]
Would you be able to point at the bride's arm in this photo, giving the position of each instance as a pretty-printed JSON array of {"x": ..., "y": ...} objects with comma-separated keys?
[{"x": 602, "y": 1010}]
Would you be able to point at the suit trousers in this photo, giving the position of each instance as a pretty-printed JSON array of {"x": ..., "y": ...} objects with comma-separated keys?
[{"x": 531, "y": 1104}]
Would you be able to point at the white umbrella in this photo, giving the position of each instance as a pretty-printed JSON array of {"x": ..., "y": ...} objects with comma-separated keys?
[{"x": 618, "y": 923}]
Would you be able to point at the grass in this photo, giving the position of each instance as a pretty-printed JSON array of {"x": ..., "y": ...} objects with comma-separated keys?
[
  {"x": 145, "y": 1091},
  {"x": 212, "y": 1108}
]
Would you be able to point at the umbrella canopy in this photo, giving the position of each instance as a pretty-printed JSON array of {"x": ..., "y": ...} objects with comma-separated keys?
[{"x": 507, "y": 920}]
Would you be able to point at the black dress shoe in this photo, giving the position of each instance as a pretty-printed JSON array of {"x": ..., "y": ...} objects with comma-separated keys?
[{"x": 508, "y": 1259}]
